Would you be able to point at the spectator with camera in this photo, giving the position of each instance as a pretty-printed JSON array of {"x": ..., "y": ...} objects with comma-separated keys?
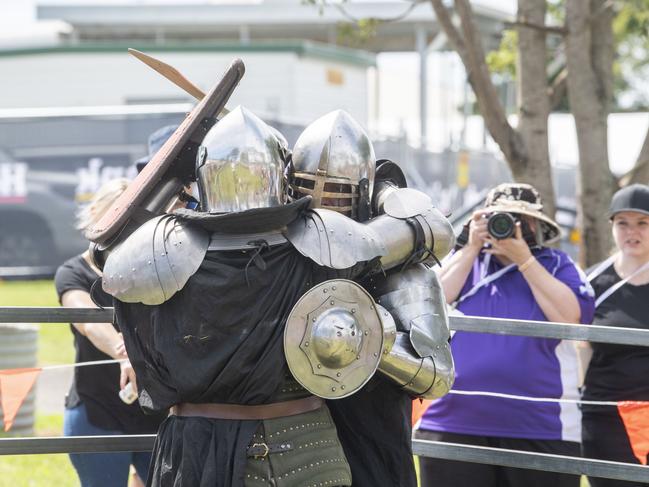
[{"x": 502, "y": 268}]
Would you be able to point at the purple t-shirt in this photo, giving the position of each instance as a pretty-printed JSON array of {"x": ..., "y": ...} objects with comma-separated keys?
[{"x": 526, "y": 366}]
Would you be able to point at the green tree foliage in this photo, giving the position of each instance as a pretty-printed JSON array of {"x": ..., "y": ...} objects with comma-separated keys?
[
  {"x": 631, "y": 29},
  {"x": 631, "y": 66},
  {"x": 503, "y": 60}
]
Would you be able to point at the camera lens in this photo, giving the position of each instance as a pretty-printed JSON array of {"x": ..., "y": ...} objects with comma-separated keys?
[{"x": 501, "y": 225}]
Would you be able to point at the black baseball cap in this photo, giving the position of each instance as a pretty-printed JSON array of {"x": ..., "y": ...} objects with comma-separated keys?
[{"x": 634, "y": 197}]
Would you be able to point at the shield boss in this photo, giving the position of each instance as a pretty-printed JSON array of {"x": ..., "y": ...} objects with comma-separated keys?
[{"x": 333, "y": 339}]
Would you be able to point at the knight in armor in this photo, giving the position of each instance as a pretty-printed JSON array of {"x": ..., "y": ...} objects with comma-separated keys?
[
  {"x": 334, "y": 162},
  {"x": 241, "y": 316}
]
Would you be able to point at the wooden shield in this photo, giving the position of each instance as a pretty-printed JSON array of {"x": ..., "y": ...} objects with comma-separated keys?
[{"x": 170, "y": 168}]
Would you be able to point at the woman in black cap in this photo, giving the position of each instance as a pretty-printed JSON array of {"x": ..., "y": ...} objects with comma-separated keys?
[{"x": 619, "y": 372}]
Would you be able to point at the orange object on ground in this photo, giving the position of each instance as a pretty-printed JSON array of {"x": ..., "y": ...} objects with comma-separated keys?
[
  {"x": 15, "y": 384},
  {"x": 635, "y": 416},
  {"x": 419, "y": 407}
]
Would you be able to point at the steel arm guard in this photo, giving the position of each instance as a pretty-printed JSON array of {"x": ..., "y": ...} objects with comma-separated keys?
[
  {"x": 420, "y": 359},
  {"x": 412, "y": 229}
]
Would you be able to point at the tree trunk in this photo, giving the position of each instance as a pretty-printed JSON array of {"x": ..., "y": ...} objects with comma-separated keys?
[
  {"x": 534, "y": 103},
  {"x": 589, "y": 104},
  {"x": 526, "y": 148},
  {"x": 640, "y": 172}
]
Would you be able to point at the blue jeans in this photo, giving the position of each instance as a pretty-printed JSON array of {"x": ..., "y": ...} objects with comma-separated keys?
[{"x": 101, "y": 469}]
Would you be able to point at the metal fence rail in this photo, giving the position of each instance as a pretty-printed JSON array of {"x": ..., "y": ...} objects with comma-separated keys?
[
  {"x": 76, "y": 444},
  {"x": 543, "y": 329},
  {"x": 448, "y": 451},
  {"x": 536, "y": 461}
]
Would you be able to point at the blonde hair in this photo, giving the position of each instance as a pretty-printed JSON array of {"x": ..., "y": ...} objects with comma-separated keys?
[{"x": 100, "y": 203}]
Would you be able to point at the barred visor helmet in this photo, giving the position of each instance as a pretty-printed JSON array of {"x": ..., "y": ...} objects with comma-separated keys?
[
  {"x": 240, "y": 165},
  {"x": 333, "y": 161}
]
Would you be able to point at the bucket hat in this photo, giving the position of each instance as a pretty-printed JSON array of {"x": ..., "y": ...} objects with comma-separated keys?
[{"x": 523, "y": 199}]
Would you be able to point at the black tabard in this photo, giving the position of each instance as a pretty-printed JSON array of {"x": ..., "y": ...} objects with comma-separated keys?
[{"x": 219, "y": 339}]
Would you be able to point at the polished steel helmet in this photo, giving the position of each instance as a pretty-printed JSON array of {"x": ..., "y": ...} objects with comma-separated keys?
[
  {"x": 240, "y": 165},
  {"x": 333, "y": 161}
]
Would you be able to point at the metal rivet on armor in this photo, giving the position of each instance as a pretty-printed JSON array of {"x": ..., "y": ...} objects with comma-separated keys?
[
  {"x": 333, "y": 288},
  {"x": 133, "y": 269},
  {"x": 319, "y": 366},
  {"x": 148, "y": 262},
  {"x": 434, "y": 355},
  {"x": 371, "y": 307},
  {"x": 309, "y": 225},
  {"x": 385, "y": 314},
  {"x": 324, "y": 290},
  {"x": 358, "y": 357},
  {"x": 333, "y": 389},
  {"x": 331, "y": 302},
  {"x": 376, "y": 354},
  {"x": 342, "y": 387},
  {"x": 367, "y": 332},
  {"x": 338, "y": 374},
  {"x": 306, "y": 344},
  {"x": 353, "y": 310}
]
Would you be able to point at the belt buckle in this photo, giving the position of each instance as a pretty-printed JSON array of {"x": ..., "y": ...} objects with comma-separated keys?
[{"x": 263, "y": 455}]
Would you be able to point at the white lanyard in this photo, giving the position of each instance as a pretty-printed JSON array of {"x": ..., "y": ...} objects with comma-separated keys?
[
  {"x": 605, "y": 265},
  {"x": 484, "y": 279}
]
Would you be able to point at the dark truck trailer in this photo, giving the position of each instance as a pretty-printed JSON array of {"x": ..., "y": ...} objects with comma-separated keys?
[{"x": 51, "y": 163}]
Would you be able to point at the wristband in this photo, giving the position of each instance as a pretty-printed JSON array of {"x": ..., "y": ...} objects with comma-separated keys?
[{"x": 523, "y": 267}]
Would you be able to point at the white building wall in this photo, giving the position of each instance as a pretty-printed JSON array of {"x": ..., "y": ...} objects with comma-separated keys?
[
  {"x": 316, "y": 93},
  {"x": 283, "y": 84}
]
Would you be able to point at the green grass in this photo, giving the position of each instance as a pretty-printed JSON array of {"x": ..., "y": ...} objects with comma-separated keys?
[
  {"x": 54, "y": 340},
  {"x": 39, "y": 470},
  {"x": 54, "y": 347}
]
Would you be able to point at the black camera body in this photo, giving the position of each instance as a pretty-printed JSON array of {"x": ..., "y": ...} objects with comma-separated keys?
[{"x": 502, "y": 225}]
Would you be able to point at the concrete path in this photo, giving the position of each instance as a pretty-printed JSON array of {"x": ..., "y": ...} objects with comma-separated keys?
[{"x": 51, "y": 388}]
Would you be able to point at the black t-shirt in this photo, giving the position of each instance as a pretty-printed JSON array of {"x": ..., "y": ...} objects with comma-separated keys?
[
  {"x": 97, "y": 386},
  {"x": 619, "y": 372}
]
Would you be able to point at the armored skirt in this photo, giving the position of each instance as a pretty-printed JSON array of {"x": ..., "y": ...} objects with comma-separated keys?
[{"x": 220, "y": 340}]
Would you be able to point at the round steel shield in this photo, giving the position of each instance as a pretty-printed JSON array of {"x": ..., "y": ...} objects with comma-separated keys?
[{"x": 334, "y": 338}]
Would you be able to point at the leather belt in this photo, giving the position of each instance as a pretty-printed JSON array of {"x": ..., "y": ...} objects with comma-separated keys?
[{"x": 243, "y": 412}]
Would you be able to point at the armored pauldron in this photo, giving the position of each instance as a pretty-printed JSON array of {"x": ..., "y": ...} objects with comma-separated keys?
[{"x": 155, "y": 261}]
